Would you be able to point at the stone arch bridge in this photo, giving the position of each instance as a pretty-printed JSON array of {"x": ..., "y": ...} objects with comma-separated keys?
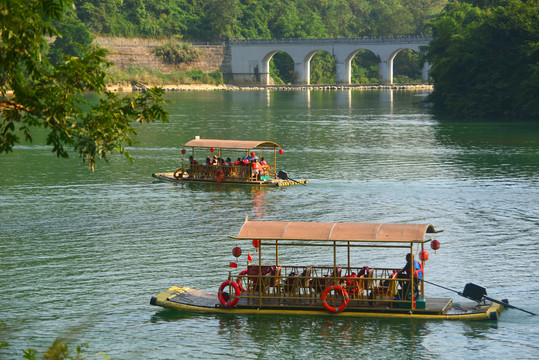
[{"x": 250, "y": 59}]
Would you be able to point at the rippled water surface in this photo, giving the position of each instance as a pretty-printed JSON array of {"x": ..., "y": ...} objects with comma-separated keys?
[{"x": 81, "y": 253}]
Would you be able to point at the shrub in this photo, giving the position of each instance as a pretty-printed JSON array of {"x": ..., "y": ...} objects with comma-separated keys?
[{"x": 176, "y": 54}]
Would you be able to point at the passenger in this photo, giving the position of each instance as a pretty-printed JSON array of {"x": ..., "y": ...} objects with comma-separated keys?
[
  {"x": 208, "y": 161},
  {"x": 237, "y": 162},
  {"x": 228, "y": 162},
  {"x": 215, "y": 160},
  {"x": 265, "y": 166},
  {"x": 406, "y": 273},
  {"x": 253, "y": 156},
  {"x": 256, "y": 168}
]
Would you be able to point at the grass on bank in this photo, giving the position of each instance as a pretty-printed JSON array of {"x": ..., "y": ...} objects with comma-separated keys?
[{"x": 154, "y": 77}]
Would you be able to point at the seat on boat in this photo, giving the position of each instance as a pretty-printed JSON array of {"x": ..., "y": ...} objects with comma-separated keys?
[
  {"x": 318, "y": 284},
  {"x": 385, "y": 290},
  {"x": 354, "y": 286},
  {"x": 295, "y": 284},
  {"x": 268, "y": 273},
  {"x": 272, "y": 280},
  {"x": 368, "y": 285}
]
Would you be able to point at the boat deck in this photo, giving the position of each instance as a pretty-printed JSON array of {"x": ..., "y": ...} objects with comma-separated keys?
[{"x": 207, "y": 299}]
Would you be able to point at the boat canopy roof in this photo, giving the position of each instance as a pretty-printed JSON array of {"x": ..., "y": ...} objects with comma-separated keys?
[
  {"x": 353, "y": 232},
  {"x": 232, "y": 144}
]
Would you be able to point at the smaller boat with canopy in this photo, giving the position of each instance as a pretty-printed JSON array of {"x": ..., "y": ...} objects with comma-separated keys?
[
  {"x": 231, "y": 161},
  {"x": 337, "y": 285}
]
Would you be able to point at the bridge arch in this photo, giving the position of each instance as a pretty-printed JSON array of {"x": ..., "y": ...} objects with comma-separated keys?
[{"x": 353, "y": 56}]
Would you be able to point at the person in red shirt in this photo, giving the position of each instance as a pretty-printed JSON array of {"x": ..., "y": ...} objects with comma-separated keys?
[{"x": 256, "y": 168}]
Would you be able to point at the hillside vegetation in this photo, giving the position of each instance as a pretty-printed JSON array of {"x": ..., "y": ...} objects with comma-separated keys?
[{"x": 214, "y": 20}]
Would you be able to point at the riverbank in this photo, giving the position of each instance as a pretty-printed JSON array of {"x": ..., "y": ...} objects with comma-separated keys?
[{"x": 206, "y": 87}]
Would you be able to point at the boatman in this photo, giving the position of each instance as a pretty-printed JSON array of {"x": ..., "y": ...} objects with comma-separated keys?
[{"x": 406, "y": 273}]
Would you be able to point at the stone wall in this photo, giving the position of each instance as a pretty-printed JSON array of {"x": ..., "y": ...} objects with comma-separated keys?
[{"x": 125, "y": 52}]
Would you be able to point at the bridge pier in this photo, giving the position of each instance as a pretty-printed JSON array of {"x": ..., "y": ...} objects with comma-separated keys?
[
  {"x": 302, "y": 72},
  {"x": 344, "y": 72},
  {"x": 385, "y": 72},
  {"x": 425, "y": 73}
]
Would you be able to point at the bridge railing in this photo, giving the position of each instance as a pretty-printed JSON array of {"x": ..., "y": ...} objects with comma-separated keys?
[{"x": 361, "y": 40}]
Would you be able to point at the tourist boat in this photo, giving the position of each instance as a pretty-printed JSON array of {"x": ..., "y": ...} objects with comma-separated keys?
[
  {"x": 336, "y": 288},
  {"x": 243, "y": 172}
]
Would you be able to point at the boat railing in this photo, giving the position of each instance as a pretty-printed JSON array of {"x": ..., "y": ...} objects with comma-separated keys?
[
  {"x": 234, "y": 172},
  {"x": 304, "y": 285}
]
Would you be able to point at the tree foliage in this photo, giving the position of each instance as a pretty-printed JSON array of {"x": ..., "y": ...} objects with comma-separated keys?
[
  {"x": 35, "y": 93},
  {"x": 210, "y": 20},
  {"x": 485, "y": 59}
]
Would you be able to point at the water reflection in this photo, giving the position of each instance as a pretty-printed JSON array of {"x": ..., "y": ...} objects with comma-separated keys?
[
  {"x": 344, "y": 98},
  {"x": 258, "y": 196},
  {"x": 302, "y": 337}
]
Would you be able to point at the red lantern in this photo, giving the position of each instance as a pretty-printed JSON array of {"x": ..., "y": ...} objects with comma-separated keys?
[
  {"x": 281, "y": 151},
  {"x": 435, "y": 245},
  {"x": 256, "y": 243},
  {"x": 236, "y": 251},
  {"x": 423, "y": 255},
  {"x": 183, "y": 151},
  {"x": 212, "y": 149}
]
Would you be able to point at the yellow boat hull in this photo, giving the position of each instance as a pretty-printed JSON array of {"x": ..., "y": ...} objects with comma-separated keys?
[{"x": 186, "y": 299}]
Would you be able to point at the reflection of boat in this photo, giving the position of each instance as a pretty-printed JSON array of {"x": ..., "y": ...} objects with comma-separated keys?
[
  {"x": 341, "y": 288},
  {"x": 247, "y": 170}
]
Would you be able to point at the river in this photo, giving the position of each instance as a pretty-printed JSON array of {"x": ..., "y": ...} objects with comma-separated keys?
[{"x": 82, "y": 253}]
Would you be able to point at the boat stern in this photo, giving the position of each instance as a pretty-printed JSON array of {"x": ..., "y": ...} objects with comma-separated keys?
[{"x": 494, "y": 311}]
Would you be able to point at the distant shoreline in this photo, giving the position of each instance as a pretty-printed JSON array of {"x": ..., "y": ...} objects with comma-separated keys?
[{"x": 206, "y": 87}]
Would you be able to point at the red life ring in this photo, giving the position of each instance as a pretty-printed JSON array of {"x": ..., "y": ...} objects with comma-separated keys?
[
  {"x": 337, "y": 288},
  {"x": 178, "y": 173},
  {"x": 236, "y": 290},
  {"x": 219, "y": 175},
  {"x": 238, "y": 279}
]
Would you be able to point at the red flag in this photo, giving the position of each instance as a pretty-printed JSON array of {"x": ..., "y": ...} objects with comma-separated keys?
[
  {"x": 233, "y": 265},
  {"x": 249, "y": 258}
]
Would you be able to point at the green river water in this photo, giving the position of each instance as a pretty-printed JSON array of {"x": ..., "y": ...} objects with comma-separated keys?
[{"x": 82, "y": 253}]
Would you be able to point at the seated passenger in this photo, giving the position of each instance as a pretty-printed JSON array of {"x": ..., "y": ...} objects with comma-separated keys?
[
  {"x": 265, "y": 166},
  {"x": 238, "y": 162},
  {"x": 256, "y": 167},
  {"x": 208, "y": 161},
  {"x": 228, "y": 162}
]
